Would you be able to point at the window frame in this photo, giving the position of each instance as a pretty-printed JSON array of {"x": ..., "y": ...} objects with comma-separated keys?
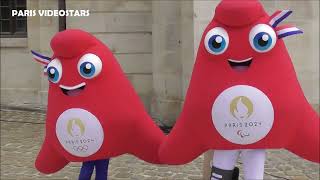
[
  {"x": 12, "y": 22},
  {"x": 62, "y": 19}
]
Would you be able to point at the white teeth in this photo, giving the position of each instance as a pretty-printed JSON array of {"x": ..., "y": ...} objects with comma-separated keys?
[
  {"x": 72, "y": 87},
  {"x": 240, "y": 61}
]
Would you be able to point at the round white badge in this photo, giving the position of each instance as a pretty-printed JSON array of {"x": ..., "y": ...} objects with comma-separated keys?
[
  {"x": 79, "y": 132},
  {"x": 242, "y": 114}
]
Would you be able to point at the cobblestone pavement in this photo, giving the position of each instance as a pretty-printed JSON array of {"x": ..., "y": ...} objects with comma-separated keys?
[{"x": 22, "y": 135}]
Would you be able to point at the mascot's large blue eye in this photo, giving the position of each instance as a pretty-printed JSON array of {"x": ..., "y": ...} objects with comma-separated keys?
[
  {"x": 53, "y": 74},
  {"x": 216, "y": 41},
  {"x": 262, "y": 41},
  {"x": 87, "y": 69},
  {"x": 54, "y": 71},
  {"x": 89, "y": 66},
  {"x": 262, "y": 38}
]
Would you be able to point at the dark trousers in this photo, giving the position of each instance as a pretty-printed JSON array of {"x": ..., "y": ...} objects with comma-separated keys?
[{"x": 101, "y": 169}]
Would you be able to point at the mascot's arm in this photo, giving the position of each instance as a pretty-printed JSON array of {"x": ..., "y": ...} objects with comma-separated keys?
[
  {"x": 181, "y": 146},
  {"x": 49, "y": 160},
  {"x": 149, "y": 138},
  {"x": 177, "y": 151},
  {"x": 306, "y": 141}
]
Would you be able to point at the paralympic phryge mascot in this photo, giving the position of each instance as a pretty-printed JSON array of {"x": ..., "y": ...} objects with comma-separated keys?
[
  {"x": 244, "y": 96},
  {"x": 93, "y": 111}
]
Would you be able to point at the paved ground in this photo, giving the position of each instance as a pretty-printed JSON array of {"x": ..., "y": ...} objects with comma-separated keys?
[{"x": 22, "y": 135}]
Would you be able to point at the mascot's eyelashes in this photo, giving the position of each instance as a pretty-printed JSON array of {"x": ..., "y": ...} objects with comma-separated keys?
[
  {"x": 262, "y": 38},
  {"x": 89, "y": 66},
  {"x": 216, "y": 41},
  {"x": 54, "y": 71}
]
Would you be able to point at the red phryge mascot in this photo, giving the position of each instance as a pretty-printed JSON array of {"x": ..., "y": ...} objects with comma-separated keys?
[
  {"x": 244, "y": 95},
  {"x": 93, "y": 111}
]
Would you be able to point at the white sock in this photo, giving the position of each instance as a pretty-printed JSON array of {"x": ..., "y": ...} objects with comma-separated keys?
[
  {"x": 225, "y": 159},
  {"x": 253, "y": 163}
]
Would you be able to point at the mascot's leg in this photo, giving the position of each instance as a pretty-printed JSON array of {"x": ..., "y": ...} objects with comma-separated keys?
[
  {"x": 102, "y": 169},
  {"x": 223, "y": 166},
  {"x": 86, "y": 170},
  {"x": 253, "y": 163}
]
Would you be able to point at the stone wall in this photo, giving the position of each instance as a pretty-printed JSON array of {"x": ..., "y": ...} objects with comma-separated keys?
[{"x": 22, "y": 80}]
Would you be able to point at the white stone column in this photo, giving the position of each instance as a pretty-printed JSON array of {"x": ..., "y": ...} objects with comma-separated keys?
[
  {"x": 187, "y": 57},
  {"x": 167, "y": 92},
  {"x": 49, "y": 26}
]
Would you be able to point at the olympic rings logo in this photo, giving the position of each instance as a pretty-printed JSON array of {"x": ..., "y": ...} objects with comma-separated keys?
[{"x": 83, "y": 148}]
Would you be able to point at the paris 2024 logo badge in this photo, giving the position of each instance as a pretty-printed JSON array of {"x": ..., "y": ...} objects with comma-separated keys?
[
  {"x": 242, "y": 114},
  {"x": 79, "y": 132}
]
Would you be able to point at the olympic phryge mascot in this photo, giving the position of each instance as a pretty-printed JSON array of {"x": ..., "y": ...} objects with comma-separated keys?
[
  {"x": 244, "y": 96},
  {"x": 93, "y": 112}
]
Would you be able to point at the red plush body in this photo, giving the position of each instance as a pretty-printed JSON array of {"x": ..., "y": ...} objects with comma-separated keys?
[
  {"x": 295, "y": 124},
  {"x": 109, "y": 97}
]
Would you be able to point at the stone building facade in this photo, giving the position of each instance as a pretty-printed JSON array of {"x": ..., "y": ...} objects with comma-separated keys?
[{"x": 155, "y": 43}]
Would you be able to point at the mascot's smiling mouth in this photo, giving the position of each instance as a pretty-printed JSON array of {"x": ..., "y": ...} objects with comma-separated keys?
[
  {"x": 73, "y": 90},
  {"x": 240, "y": 65}
]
